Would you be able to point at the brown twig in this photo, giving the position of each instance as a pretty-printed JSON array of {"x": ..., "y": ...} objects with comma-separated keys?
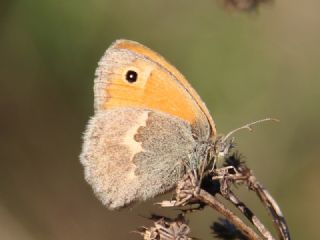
[
  {"x": 188, "y": 191},
  {"x": 197, "y": 187},
  {"x": 272, "y": 207},
  {"x": 210, "y": 200},
  {"x": 249, "y": 214},
  {"x": 244, "y": 175}
]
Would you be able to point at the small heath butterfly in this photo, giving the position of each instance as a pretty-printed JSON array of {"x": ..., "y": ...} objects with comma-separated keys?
[{"x": 148, "y": 124}]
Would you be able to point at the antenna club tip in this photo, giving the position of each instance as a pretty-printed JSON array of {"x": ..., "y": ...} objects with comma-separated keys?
[{"x": 275, "y": 119}]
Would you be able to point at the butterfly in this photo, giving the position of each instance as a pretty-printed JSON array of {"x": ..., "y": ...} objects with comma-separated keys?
[{"x": 148, "y": 124}]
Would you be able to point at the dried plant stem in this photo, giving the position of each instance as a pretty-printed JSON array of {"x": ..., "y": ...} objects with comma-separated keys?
[
  {"x": 272, "y": 207},
  {"x": 210, "y": 200},
  {"x": 194, "y": 189},
  {"x": 249, "y": 214}
]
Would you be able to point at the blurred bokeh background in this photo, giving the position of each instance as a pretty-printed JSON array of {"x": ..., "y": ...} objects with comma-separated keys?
[{"x": 245, "y": 67}]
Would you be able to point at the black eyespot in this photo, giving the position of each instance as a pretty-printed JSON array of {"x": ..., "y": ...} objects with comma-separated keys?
[{"x": 131, "y": 76}]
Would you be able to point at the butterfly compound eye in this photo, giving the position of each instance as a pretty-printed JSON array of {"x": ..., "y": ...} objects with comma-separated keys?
[{"x": 131, "y": 76}]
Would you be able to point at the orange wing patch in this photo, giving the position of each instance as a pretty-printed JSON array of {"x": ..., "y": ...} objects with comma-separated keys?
[
  {"x": 140, "y": 49},
  {"x": 157, "y": 94},
  {"x": 159, "y": 86}
]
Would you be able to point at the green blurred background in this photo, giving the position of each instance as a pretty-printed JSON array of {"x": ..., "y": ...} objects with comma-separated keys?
[{"x": 245, "y": 67}]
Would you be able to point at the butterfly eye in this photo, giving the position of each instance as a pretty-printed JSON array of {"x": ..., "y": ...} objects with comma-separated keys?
[{"x": 131, "y": 76}]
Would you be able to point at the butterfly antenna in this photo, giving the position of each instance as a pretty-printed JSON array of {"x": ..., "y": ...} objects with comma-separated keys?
[{"x": 249, "y": 126}]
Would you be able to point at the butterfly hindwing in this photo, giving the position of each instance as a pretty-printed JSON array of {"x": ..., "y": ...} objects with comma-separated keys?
[{"x": 133, "y": 154}]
